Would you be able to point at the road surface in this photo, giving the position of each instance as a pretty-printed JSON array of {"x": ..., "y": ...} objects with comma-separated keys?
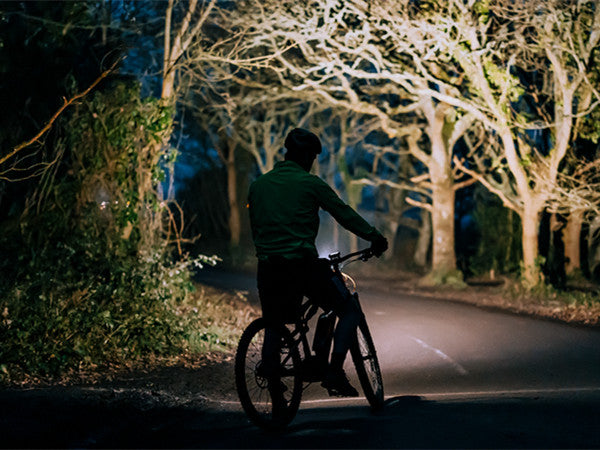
[{"x": 455, "y": 375}]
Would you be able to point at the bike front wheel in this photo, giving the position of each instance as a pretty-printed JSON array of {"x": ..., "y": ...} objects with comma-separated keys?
[
  {"x": 270, "y": 398},
  {"x": 365, "y": 360}
]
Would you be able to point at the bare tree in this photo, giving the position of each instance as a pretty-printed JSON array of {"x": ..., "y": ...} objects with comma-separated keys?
[
  {"x": 530, "y": 36},
  {"x": 577, "y": 196},
  {"x": 454, "y": 64},
  {"x": 240, "y": 114},
  {"x": 179, "y": 36},
  {"x": 360, "y": 56},
  {"x": 343, "y": 134},
  {"x": 585, "y": 127}
]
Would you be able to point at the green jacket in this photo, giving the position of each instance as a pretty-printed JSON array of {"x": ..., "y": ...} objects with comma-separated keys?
[{"x": 284, "y": 212}]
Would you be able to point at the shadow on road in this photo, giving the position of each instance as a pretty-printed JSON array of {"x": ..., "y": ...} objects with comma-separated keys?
[
  {"x": 404, "y": 401},
  {"x": 47, "y": 419}
]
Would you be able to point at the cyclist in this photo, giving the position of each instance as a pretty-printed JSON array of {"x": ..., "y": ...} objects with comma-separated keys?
[{"x": 284, "y": 205}]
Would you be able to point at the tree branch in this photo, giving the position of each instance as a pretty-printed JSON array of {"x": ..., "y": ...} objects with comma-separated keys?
[{"x": 49, "y": 124}]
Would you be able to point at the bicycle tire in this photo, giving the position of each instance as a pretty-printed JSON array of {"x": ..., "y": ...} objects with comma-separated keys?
[
  {"x": 253, "y": 388},
  {"x": 365, "y": 360}
]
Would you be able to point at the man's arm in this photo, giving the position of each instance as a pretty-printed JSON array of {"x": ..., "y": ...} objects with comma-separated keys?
[{"x": 343, "y": 213}]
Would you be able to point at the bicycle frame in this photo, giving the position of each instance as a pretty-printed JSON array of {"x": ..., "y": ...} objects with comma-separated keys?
[
  {"x": 272, "y": 398},
  {"x": 308, "y": 310}
]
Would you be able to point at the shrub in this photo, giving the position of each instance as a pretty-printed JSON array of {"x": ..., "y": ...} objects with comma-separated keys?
[{"x": 87, "y": 276}]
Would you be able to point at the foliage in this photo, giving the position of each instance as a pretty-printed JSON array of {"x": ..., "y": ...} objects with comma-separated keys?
[
  {"x": 215, "y": 319},
  {"x": 82, "y": 309},
  {"x": 48, "y": 51},
  {"x": 82, "y": 284},
  {"x": 543, "y": 294},
  {"x": 451, "y": 278}
]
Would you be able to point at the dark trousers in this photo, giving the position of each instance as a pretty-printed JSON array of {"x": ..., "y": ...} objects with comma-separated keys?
[{"x": 283, "y": 283}]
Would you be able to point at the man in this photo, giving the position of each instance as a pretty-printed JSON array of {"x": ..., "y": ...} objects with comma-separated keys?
[{"x": 284, "y": 205}]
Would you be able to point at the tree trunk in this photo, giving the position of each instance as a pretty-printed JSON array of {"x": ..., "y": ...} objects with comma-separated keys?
[
  {"x": 442, "y": 195},
  {"x": 330, "y": 177},
  {"x": 530, "y": 219},
  {"x": 571, "y": 238},
  {"x": 510, "y": 237},
  {"x": 168, "y": 86},
  {"x": 235, "y": 222},
  {"x": 422, "y": 249},
  {"x": 335, "y": 234},
  {"x": 390, "y": 231},
  {"x": 442, "y": 221}
]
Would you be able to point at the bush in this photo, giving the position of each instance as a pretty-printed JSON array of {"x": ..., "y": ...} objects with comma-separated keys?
[
  {"x": 87, "y": 277},
  {"x": 74, "y": 309}
]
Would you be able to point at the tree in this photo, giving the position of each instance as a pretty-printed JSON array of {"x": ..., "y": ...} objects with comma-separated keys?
[
  {"x": 577, "y": 197},
  {"x": 343, "y": 133},
  {"x": 552, "y": 41},
  {"x": 179, "y": 38},
  {"x": 63, "y": 40},
  {"x": 183, "y": 22},
  {"x": 586, "y": 133},
  {"x": 241, "y": 115},
  {"x": 359, "y": 56}
]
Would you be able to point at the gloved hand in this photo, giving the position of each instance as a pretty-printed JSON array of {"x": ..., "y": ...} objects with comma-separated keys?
[{"x": 379, "y": 245}]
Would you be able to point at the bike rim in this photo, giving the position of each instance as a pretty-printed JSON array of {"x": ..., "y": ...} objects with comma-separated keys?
[
  {"x": 370, "y": 364},
  {"x": 258, "y": 385}
]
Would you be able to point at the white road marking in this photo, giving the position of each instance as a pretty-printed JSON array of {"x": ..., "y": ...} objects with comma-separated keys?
[{"x": 460, "y": 369}]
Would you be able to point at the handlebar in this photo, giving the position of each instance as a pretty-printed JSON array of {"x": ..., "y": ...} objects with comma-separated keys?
[{"x": 336, "y": 258}]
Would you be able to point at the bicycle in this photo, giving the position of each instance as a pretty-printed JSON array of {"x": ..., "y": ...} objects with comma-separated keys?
[{"x": 271, "y": 400}]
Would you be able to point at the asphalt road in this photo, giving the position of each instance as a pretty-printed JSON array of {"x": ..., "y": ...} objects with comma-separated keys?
[{"x": 456, "y": 376}]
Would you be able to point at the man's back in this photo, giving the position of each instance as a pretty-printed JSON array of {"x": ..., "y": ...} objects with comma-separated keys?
[{"x": 284, "y": 211}]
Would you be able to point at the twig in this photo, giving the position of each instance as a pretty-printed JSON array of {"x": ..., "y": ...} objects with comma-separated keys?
[
  {"x": 478, "y": 177},
  {"x": 48, "y": 125},
  {"x": 423, "y": 205}
]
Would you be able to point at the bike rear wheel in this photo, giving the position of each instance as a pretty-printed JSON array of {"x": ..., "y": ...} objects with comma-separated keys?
[
  {"x": 365, "y": 360},
  {"x": 270, "y": 400}
]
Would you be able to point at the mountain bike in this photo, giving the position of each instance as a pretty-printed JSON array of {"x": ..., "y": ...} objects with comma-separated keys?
[{"x": 271, "y": 398}]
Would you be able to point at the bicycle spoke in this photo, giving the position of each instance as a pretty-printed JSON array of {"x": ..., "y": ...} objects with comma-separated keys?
[
  {"x": 367, "y": 366},
  {"x": 269, "y": 398}
]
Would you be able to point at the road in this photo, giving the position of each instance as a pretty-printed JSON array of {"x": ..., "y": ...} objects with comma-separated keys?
[{"x": 455, "y": 375}]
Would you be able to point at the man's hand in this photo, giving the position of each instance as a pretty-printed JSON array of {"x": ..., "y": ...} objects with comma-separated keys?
[{"x": 379, "y": 245}]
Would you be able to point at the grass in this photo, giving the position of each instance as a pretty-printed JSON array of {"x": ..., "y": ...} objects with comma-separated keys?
[
  {"x": 214, "y": 321},
  {"x": 217, "y": 319}
]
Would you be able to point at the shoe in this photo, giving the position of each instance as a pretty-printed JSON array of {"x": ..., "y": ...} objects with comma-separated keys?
[{"x": 337, "y": 385}]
